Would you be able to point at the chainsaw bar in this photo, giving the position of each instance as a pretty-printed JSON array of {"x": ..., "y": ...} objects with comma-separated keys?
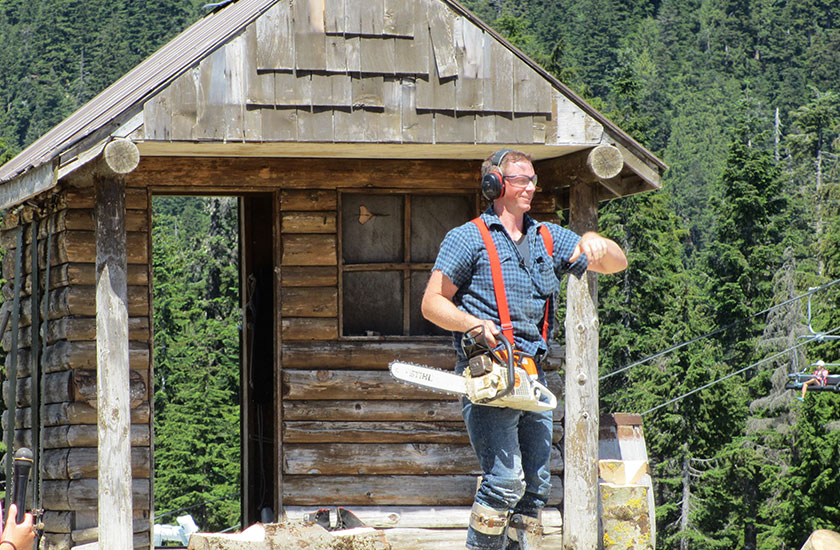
[{"x": 428, "y": 377}]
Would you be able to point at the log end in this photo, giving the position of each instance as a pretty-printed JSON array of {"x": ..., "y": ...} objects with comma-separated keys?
[{"x": 605, "y": 161}]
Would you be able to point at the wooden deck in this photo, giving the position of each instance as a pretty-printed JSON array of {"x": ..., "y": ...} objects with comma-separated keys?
[{"x": 424, "y": 528}]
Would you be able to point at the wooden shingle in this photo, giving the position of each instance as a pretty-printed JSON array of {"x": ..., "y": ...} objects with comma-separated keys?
[{"x": 275, "y": 44}]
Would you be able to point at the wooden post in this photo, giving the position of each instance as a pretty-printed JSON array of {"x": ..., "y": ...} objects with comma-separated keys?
[
  {"x": 580, "y": 502},
  {"x": 113, "y": 395}
]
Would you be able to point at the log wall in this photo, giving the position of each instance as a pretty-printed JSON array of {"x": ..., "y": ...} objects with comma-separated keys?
[
  {"x": 67, "y": 400},
  {"x": 349, "y": 433}
]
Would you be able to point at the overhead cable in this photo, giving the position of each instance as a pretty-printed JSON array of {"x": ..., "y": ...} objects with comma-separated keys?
[
  {"x": 717, "y": 330},
  {"x": 730, "y": 375}
]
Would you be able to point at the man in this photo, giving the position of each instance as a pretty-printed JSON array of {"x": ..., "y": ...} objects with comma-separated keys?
[{"x": 513, "y": 446}]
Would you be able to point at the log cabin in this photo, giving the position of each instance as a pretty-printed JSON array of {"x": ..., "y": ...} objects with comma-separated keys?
[{"x": 352, "y": 134}]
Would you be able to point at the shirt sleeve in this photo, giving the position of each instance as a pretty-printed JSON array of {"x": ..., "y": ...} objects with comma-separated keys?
[
  {"x": 456, "y": 256},
  {"x": 565, "y": 242}
]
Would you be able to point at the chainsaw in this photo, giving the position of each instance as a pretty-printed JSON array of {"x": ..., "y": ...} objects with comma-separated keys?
[{"x": 497, "y": 378}]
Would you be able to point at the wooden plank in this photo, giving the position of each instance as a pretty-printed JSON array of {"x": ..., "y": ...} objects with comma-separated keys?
[
  {"x": 260, "y": 85},
  {"x": 310, "y": 302},
  {"x": 28, "y": 185},
  {"x": 308, "y": 200},
  {"x": 275, "y": 47},
  {"x": 498, "y": 91},
  {"x": 321, "y": 90},
  {"x": 366, "y": 354},
  {"x": 416, "y": 127},
  {"x": 81, "y": 494},
  {"x": 372, "y": 17},
  {"x": 279, "y": 124},
  {"x": 319, "y": 175},
  {"x": 336, "y": 54},
  {"x": 373, "y": 411},
  {"x": 310, "y": 39},
  {"x": 309, "y": 250},
  {"x": 135, "y": 198},
  {"x": 394, "y": 458},
  {"x": 285, "y": 87},
  {"x": 81, "y": 463},
  {"x": 81, "y": 329},
  {"x": 293, "y": 276},
  {"x": 450, "y": 490},
  {"x": 74, "y": 220},
  {"x": 525, "y": 88},
  {"x": 316, "y": 125},
  {"x": 114, "y": 498},
  {"x": 210, "y": 97},
  {"x": 59, "y": 437},
  {"x": 390, "y": 120},
  {"x": 352, "y": 53},
  {"x": 375, "y": 432},
  {"x": 469, "y": 86},
  {"x": 368, "y": 91},
  {"x": 157, "y": 117},
  {"x": 398, "y": 18},
  {"x": 334, "y": 21},
  {"x": 352, "y": 16},
  {"x": 452, "y": 127},
  {"x": 308, "y": 222},
  {"x": 72, "y": 413},
  {"x": 352, "y": 459},
  {"x": 333, "y": 384},
  {"x": 302, "y": 328},
  {"x": 302, "y": 91},
  {"x": 235, "y": 82},
  {"x": 349, "y": 125},
  {"x": 378, "y": 55},
  {"x": 441, "y": 28}
]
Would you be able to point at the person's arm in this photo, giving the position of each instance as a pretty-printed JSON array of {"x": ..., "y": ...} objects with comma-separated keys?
[
  {"x": 439, "y": 308},
  {"x": 17, "y": 536},
  {"x": 603, "y": 254}
]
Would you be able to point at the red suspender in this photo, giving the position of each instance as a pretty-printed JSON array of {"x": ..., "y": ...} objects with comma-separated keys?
[
  {"x": 498, "y": 281},
  {"x": 549, "y": 246}
]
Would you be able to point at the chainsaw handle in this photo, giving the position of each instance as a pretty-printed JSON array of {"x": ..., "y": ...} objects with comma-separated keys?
[
  {"x": 511, "y": 382},
  {"x": 470, "y": 344}
]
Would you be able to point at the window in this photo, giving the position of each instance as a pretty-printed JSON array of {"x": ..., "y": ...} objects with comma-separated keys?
[{"x": 389, "y": 242}]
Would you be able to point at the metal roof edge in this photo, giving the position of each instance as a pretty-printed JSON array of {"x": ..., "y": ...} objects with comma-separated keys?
[{"x": 619, "y": 134}]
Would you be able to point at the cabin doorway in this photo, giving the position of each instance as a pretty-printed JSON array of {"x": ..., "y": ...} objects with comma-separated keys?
[{"x": 213, "y": 303}]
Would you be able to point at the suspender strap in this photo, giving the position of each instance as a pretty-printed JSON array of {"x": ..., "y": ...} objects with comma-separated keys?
[
  {"x": 549, "y": 247},
  {"x": 498, "y": 281}
]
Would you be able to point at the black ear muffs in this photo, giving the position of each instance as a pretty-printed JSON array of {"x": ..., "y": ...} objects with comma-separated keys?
[{"x": 492, "y": 183}]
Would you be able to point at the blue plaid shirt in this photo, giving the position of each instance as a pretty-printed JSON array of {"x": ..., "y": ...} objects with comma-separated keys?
[{"x": 464, "y": 260}]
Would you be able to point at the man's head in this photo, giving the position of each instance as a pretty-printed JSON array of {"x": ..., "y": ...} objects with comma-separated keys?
[{"x": 496, "y": 172}]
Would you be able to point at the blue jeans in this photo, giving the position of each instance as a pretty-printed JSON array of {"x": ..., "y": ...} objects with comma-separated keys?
[{"x": 514, "y": 450}]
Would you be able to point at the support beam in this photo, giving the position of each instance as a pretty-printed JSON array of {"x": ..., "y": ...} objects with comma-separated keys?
[
  {"x": 113, "y": 387},
  {"x": 580, "y": 502},
  {"x": 603, "y": 162}
]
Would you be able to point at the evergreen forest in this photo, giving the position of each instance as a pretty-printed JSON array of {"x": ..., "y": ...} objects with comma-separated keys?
[{"x": 732, "y": 265}]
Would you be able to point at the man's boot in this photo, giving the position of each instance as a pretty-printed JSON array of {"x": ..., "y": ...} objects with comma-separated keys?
[
  {"x": 524, "y": 533},
  {"x": 487, "y": 528}
]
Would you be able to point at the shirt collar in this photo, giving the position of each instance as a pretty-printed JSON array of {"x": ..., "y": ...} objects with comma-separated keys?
[{"x": 491, "y": 218}]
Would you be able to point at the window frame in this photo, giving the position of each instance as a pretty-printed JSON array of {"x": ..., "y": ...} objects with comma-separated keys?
[{"x": 406, "y": 267}]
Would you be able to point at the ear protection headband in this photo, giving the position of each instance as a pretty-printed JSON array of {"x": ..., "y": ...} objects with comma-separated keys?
[{"x": 492, "y": 183}]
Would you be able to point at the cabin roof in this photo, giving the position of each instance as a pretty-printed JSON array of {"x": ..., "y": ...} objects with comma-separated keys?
[{"x": 118, "y": 111}]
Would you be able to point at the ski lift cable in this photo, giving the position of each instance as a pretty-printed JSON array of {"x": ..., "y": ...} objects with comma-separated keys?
[
  {"x": 730, "y": 375},
  {"x": 717, "y": 330}
]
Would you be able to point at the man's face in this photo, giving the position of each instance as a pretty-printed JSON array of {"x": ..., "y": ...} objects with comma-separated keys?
[{"x": 519, "y": 186}]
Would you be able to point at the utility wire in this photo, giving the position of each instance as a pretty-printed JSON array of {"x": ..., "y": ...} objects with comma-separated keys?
[
  {"x": 730, "y": 375},
  {"x": 197, "y": 505},
  {"x": 717, "y": 330}
]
